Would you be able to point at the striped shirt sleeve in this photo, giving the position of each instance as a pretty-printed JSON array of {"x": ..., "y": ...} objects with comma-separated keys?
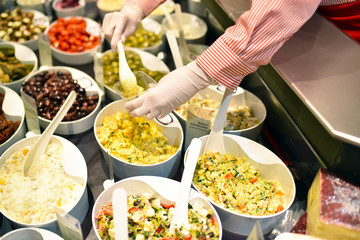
[{"x": 253, "y": 40}]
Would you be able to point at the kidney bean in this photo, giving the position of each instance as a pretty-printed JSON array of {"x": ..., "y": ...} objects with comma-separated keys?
[{"x": 50, "y": 89}]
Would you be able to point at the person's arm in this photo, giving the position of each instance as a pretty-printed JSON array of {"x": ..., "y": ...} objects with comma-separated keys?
[{"x": 253, "y": 40}]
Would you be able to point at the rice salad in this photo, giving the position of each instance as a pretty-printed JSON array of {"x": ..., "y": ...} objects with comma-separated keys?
[
  {"x": 30, "y": 199},
  {"x": 134, "y": 139},
  {"x": 149, "y": 218},
  {"x": 235, "y": 185}
]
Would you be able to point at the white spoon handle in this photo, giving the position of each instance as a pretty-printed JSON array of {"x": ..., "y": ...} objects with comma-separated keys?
[
  {"x": 120, "y": 209},
  {"x": 174, "y": 47},
  {"x": 123, "y": 66},
  {"x": 183, "y": 45},
  {"x": 167, "y": 15},
  {"x": 181, "y": 208},
  {"x": 215, "y": 141},
  {"x": 40, "y": 145}
]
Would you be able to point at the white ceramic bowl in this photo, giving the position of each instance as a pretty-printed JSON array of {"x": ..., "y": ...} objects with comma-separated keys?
[
  {"x": 26, "y": 56},
  {"x": 151, "y": 26},
  {"x": 167, "y": 188},
  {"x": 194, "y": 28},
  {"x": 158, "y": 14},
  {"x": 169, "y": 126},
  {"x": 79, "y": 58},
  {"x": 108, "y": 6},
  {"x": 31, "y": 233},
  {"x": 73, "y": 163},
  {"x": 91, "y": 88},
  {"x": 240, "y": 97},
  {"x": 71, "y": 11},
  {"x": 149, "y": 60},
  {"x": 39, "y": 6},
  {"x": 14, "y": 110},
  {"x": 39, "y": 19},
  {"x": 241, "y": 223}
]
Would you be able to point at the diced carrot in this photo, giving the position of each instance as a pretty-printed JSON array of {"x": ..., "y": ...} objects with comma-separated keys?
[
  {"x": 229, "y": 176},
  {"x": 280, "y": 193},
  {"x": 280, "y": 208},
  {"x": 242, "y": 207},
  {"x": 254, "y": 180},
  {"x": 25, "y": 151}
]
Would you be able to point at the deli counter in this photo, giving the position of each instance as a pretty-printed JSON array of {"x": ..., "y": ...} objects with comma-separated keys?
[{"x": 310, "y": 91}]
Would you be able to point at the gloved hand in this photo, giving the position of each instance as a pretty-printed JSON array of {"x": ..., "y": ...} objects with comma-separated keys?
[
  {"x": 119, "y": 25},
  {"x": 173, "y": 90}
]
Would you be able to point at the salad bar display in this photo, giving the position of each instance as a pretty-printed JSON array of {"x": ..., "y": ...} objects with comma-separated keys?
[{"x": 103, "y": 148}]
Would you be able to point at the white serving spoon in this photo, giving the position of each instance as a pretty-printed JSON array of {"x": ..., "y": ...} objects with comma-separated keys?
[
  {"x": 171, "y": 22},
  {"x": 10, "y": 112},
  {"x": 109, "y": 182},
  {"x": 40, "y": 145},
  {"x": 120, "y": 210},
  {"x": 180, "y": 216},
  {"x": 174, "y": 48},
  {"x": 215, "y": 140},
  {"x": 127, "y": 77},
  {"x": 184, "y": 50}
]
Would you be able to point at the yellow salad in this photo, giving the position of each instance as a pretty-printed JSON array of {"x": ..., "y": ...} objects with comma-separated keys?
[
  {"x": 134, "y": 140},
  {"x": 235, "y": 185}
]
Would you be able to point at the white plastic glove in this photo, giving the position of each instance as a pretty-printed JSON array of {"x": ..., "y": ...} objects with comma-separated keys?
[
  {"x": 119, "y": 25},
  {"x": 173, "y": 90}
]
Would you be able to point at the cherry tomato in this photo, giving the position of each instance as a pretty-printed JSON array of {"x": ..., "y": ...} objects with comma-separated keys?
[{"x": 70, "y": 35}]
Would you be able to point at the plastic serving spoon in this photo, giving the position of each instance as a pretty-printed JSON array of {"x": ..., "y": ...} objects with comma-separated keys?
[
  {"x": 167, "y": 16},
  {"x": 215, "y": 141},
  {"x": 120, "y": 210},
  {"x": 185, "y": 53},
  {"x": 174, "y": 48},
  {"x": 109, "y": 182},
  {"x": 40, "y": 145},
  {"x": 127, "y": 77},
  {"x": 180, "y": 216},
  {"x": 9, "y": 111}
]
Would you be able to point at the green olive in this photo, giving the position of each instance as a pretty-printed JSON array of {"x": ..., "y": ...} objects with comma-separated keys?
[
  {"x": 111, "y": 67},
  {"x": 143, "y": 38}
]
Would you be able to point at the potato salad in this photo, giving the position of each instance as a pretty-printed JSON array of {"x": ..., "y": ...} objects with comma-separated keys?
[
  {"x": 233, "y": 184},
  {"x": 134, "y": 139},
  {"x": 237, "y": 117},
  {"x": 30, "y": 199},
  {"x": 149, "y": 218}
]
